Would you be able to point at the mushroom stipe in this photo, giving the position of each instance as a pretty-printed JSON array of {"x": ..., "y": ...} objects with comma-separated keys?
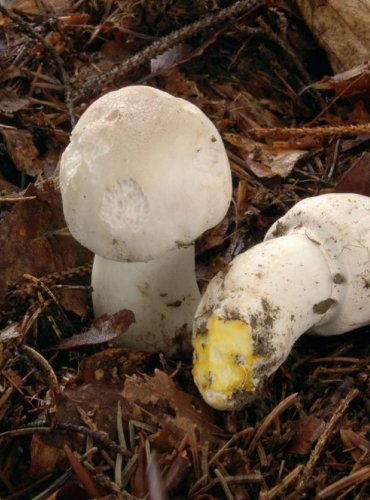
[{"x": 312, "y": 273}]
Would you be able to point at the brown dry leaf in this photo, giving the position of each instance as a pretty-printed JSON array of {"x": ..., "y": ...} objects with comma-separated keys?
[
  {"x": 10, "y": 102},
  {"x": 355, "y": 81},
  {"x": 139, "y": 488},
  {"x": 73, "y": 300},
  {"x": 44, "y": 457},
  {"x": 357, "y": 178},
  {"x": 263, "y": 160},
  {"x": 355, "y": 444},
  {"x": 175, "y": 82},
  {"x": 213, "y": 238},
  {"x": 113, "y": 364},
  {"x": 21, "y": 149},
  {"x": 96, "y": 390},
  {"x": 177, "y": 471},
  {"x": 105, "y": 329},
  {"x": 163, "y": 399},
  {"x": 31, "y": 241},
  {"x": 33, "y": 6},
  {"x": 75, "y": 19},
  {"x": 341, "y": 28},
  {"x": 307, "y": 430},
  {"x": 98, "y": 387},
  {"x": 10, "y": 333},
  {"x": 98, "y": 400}
]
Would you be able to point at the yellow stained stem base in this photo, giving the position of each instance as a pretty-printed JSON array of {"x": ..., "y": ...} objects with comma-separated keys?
[{"x": 223, "y": 360}]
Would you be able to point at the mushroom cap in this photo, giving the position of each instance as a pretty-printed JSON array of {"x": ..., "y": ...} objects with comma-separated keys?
[{"x": 144, "y": 173}]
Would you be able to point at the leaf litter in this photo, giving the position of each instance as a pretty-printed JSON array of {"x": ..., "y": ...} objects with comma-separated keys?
[{"x": 82, "y": 417}]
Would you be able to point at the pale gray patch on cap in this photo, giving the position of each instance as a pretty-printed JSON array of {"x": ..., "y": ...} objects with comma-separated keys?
[{"x": 125, "y": 204}]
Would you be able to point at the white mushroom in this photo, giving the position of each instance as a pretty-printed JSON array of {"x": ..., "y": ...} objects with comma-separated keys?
[
  {"x": 144, "y": 175},
  {"x": 312, "y": 272}
]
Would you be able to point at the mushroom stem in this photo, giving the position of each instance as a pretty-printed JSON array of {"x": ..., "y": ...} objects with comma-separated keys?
[
  {"x": 274, "y": 314},
  {"x": 310, "y": 274},
  {"x": 162, "y": 293}
]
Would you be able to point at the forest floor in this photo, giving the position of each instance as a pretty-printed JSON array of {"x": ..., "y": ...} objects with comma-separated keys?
[{"x": 84, "y": 419}]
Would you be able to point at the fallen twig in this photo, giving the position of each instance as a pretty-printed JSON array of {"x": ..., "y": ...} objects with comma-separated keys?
[
  {"x": 316, "y": 452},
  {"x": 325, "y": 131},
  {"x": 94, "y": 84}
]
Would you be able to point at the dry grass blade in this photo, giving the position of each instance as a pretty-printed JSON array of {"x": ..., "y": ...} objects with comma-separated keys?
[
  {"x": 45, "y": 364},
  {"x": 224, "y": 485},
  {"x": 245, "y": 432},
  {"x": 83, "y": 474},
  {"x": 349, "y": 481},
  {"x": 282, "y": 406},
  {"x": 12, "y": 199},
  {"x": 286, "y": 481}
]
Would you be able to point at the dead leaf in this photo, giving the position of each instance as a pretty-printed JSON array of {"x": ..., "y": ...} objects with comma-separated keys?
[
  {"x": 44, "y": 457},
  {"x": 214, "y": 237},
  {"x": 307, "y": 431},
  {"x": 105, "y": 329},
  {"x": 75, "y": 19},
  {"x": 139, "y": 487},
  {"x": 98, "y": 387},
  {"x": 10, "y": 102},
  {"x": 96, "y": 390},
  {"x": 355, "y": 444},
  {"x": 10, "y": 333},
  {"x": 176, "y": 411},
  {"x": 355, "y": 81},
  {"x": 175, "y": 82},
  {"x": 113, "y": 364},
  {"x": 33, "y": 6},
  {"x": 31, "y": 241},
  {"x": 341, "y": 28},
  {"x": 177, "y": 471},
  {"x": 21, "y": 149},
  {"x": 357, "y": 178},
  {"x": 263, "y": 160},
  {"x": 73, "y": 300}
]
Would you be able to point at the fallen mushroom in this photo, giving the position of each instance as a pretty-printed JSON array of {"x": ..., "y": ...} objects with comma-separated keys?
[
  {"x": 144, "y": 175},
  {"x": 312, "y": 273}
]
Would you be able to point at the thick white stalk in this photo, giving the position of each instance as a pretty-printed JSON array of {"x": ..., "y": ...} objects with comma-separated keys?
[
  {"x": 278, "y": 289},
  {"x": 162, "y": 293}
]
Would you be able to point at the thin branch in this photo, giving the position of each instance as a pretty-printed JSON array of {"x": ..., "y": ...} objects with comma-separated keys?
[
  {"x": 94, "y": 84},
  {"x": 31, "y": 32}
]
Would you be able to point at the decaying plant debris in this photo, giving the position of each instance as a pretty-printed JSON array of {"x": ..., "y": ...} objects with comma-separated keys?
[{"x": 83, "y": 419}]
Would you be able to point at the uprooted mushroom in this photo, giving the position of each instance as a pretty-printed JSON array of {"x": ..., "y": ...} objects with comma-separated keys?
[{"x": 312, "y": 273}]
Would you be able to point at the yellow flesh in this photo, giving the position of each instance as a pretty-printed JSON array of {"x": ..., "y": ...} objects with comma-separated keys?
[{"x": 224, "y": 360}]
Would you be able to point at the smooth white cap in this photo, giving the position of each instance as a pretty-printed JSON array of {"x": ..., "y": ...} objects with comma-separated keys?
[{"x": 144, "y": 173}]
